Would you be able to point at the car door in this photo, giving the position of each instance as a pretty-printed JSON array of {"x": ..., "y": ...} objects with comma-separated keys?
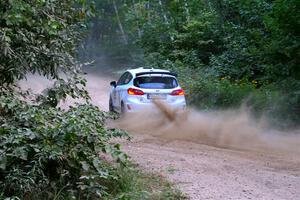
[{"x": 119, "y": 89}]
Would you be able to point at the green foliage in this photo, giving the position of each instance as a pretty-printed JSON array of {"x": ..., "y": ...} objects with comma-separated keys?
[
  {"x": 283, "y": 46},
  {"x": 48, "y": 153},
  {"x": 226, "y": 52},
  {"x": 210, "y": 93},
  {"x": 73, "y": 86},
  {"x": 39, "y": 36},
  {"x": 135, "y": 185}
]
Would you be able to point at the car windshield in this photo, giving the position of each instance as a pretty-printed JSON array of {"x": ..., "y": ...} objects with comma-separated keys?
[{"x": 155, "y": 82}]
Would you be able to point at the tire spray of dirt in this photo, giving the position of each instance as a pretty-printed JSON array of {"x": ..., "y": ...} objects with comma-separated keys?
[{"x": 227, "y": 129}]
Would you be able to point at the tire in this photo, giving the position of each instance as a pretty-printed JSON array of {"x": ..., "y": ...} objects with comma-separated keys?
[
  {"x": 123, "y": 110},
  {"x": 111, "y": 107}
]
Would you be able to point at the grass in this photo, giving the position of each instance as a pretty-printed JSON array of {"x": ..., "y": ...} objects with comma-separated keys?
[{"x": 133, "y": 184}]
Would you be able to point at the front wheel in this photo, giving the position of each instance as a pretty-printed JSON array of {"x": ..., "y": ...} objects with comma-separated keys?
[
  {"x": 123, "y": 109},
  {"x": 111, "y": 107}
]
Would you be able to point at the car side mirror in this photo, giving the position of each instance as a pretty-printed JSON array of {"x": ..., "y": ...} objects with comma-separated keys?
[{"x": 113, "y": 83}]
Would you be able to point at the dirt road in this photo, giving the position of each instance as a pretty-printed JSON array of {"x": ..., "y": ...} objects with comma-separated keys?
[
  {"x": 215, "y": 156},
  {"x": 206, "y": 172}
]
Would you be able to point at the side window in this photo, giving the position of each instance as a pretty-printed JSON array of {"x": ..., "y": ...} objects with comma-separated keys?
[
  {"x": 124, "y": 79},
  {"x": 128, "y": 78}
]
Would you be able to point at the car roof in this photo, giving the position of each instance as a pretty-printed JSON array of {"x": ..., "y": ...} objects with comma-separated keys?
[{"x": 141, "y": 70}]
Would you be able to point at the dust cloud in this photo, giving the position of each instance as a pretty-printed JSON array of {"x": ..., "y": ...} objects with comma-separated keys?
[
  {"x": 98, "y": 88},
  {"x": 233, "y": 129}
]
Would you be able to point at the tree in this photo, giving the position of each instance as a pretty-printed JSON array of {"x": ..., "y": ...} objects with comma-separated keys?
[
  {"x": 283, "y": 46},
  {"x": 39, "y": 36},
  {"x": 119, "y": 22}
]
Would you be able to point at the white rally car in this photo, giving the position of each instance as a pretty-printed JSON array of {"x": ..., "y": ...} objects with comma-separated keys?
[{"x": 137, "y": 88}]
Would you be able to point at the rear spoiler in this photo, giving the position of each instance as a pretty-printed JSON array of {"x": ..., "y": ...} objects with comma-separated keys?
[{"x": 166, "y": 73}]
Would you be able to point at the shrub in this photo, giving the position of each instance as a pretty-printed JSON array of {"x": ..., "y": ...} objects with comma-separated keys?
[
  {"x": 277, "y": 102},
  {"x": 48, "y": 153}
]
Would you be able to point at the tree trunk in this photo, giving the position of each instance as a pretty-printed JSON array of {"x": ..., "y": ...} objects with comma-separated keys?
[
  {"x": 119, "y": 22},
  {"x": 209, "y": 5},
  {"x": 163, "y": 13},
  {"x": 165, "y": 17},
  {"x": 136, "y": 19},
  {"x": 148, "y": 11},
  {"x": 187, "y": 11}
]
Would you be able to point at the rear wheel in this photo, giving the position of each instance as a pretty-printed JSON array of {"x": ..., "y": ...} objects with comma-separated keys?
[{"x": 111, "y": 107}]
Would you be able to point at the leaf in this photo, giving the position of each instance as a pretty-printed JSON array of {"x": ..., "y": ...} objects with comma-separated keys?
[
  {"x": 96, "y": 164},
  {"x": 31, "y": 135},
  {"x": 85, "y": 166},
  {"x": 21, "y": 152},
  {"x": 3, "y": 161}
]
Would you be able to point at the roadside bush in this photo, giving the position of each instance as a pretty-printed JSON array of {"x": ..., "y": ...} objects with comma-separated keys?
[
  {"x": 48, "y": 153},
  {"x": 278, "y": 102},
  {"x": 134, "y": 184},
  {"x": 213, "y": 93},
  {"x": 280, "y": 108}
]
